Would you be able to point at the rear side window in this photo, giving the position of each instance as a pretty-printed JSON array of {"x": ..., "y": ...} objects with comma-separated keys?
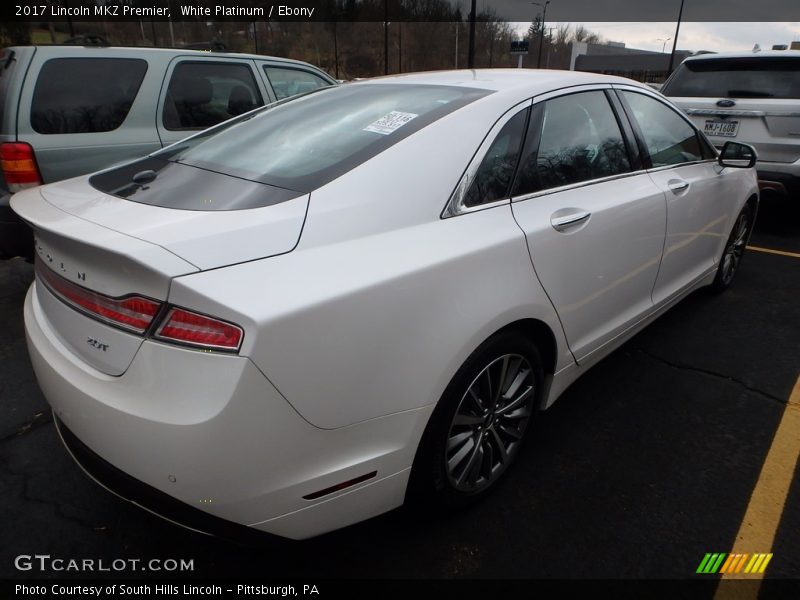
[
  {"x": 670, "y": 140},
  {"x": 580, "y": 140},
  {"x": 85, "y": 95},
  {"x": 493, "y": 177},
  {"x": 202, "y": 94},
  {"x": 290, "y": 82},
  {"x": 773, "y": 77}
]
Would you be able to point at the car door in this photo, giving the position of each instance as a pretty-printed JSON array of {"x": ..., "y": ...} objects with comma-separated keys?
[
  {"x": 594, "y": 221},
  {"x": 681, "y": 163},
  {"x": 200, "y": 92}
]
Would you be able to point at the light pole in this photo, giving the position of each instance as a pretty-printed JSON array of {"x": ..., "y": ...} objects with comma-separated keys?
[
  {"x": 541, "y": 32},
  {"x": 664, "y": 45},
  {"x": 675, "y": 40}
]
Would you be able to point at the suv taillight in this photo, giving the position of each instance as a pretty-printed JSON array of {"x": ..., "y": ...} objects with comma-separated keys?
[{"x": 19, "y": 166}]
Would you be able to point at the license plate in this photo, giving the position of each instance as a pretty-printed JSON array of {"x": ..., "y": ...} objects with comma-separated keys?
[{"x": 721, "y": 128}]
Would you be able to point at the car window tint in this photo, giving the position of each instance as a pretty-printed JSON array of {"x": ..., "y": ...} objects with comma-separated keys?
[
  {"x": 85, "y": 95},
  {"x": 670, "y": 140},
  {"x": 493, "y": 178},
  {"x": 580, "y": 140},
  {"x": 202, "y": 94},
  {"x": 290, "y": 82}
]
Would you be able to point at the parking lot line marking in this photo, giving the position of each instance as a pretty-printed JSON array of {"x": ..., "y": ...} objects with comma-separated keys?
[
  {"x": 771, "y": 251},
  {"x": 763, "y": 516}
]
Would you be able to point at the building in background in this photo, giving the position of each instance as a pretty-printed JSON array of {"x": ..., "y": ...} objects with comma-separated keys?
[{"x": 613, "y": 58}]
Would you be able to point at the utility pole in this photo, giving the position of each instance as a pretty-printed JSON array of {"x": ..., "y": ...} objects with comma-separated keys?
[
  {"x": 385, "y": 37},
  {"x": 541, "y": 31},
  {"x": 471, "y": 53},
  {"x": 675, "y": 41}
]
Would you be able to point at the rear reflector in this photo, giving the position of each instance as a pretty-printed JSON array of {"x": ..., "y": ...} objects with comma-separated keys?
[
  {"x": 133, "y": 313},
  {"x": 340, "y": 486},
  {"x": 185, "y": 327},
  {"x": 19, "y": 166}
]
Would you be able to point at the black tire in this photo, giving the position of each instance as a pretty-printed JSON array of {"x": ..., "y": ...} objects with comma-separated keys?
[
  {"x": 433, "y": 479},
  {"x": 734, "y": 250}
]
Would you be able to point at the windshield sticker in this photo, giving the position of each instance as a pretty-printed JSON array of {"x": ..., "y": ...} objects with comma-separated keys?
[{"x": 390, "y": 123}]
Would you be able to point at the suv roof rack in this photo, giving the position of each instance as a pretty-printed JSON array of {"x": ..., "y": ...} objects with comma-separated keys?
[
  {"x": 87, "y": 39},
  {"x": 213, "y": 45}
]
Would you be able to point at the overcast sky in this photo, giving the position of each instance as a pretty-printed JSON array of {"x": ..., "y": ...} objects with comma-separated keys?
[{"x": 717, "y": 37}]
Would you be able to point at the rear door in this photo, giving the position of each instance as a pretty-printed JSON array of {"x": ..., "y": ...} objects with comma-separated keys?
[
  {"x": 86, "y": 110},
  {"x": 594, "y": 221},
  {"x": 200, "y": 92}
]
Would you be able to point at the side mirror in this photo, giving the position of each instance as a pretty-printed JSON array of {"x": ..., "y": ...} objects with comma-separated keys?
[{"x": 737, "y": 155}]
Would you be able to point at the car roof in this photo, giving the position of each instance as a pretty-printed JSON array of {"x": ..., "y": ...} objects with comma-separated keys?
[
  {"x": 145, "y": 50},
  {"x": 756, "y": 55},
  {"x": 533, "y": 81}
]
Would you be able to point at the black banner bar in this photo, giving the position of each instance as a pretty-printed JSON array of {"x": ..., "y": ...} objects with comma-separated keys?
[{"x": 397, "y": 10}]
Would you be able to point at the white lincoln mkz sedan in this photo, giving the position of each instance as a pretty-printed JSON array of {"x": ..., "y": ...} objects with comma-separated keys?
[{"x": 299, "y": 318}]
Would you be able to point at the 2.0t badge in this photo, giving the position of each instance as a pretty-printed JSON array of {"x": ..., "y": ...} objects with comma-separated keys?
[{"x": 97, "y": 344}]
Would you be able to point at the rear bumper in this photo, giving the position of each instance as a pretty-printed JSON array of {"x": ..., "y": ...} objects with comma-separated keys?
[
  {"x": 16, "y": 238},
  {"x": 196, "y": 432}
]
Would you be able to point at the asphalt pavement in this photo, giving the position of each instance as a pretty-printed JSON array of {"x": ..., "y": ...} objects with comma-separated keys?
[{"x": 643, "y": 466}]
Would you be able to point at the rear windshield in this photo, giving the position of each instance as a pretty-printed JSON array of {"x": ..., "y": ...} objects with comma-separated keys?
[
  {"x": 777, "y": 77},
  {"x": 305, "y": 142}
]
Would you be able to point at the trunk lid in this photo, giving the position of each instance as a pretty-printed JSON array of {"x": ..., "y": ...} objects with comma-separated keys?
[
  {"x": 99, "y": 259},
  {"x": 120, "y": 247}
]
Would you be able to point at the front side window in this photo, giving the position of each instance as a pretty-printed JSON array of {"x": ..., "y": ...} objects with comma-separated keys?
[
  {"x": 493, "y": 178},
  {"x": 85, "y": 95},
  {"x": 670, "y": 140},
  {"x": 290, "y": 82},
  {"x": 580, "y": 140},
  {"x": 202, "y": 94}
]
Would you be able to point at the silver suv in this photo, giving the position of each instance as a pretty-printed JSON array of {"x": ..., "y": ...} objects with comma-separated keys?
[
  {"x": 70, "y": 110},
  {"x": 753, "y": 98}
]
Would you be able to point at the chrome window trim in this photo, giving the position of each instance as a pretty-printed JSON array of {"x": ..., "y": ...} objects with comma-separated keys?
[
  {"x": 573, "y": 186},
  {"x": 455, "y": 204}
]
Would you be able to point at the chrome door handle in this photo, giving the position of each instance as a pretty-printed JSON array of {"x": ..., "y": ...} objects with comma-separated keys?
[
  {"x": 566, "y": 221},
  {"x": 678, "y": 186}
]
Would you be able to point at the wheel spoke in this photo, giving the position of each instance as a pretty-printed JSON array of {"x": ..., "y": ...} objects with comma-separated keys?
[
  {"x": 521, "y": 413},
  {"x": 472, "y": 468},
  {"x": 459, "y": 456},
  {"x": 468, "y": 420},
  {"x": 509, "y": 431},
  {"x": 457, "y": 440},
  {"x": 476, "y": 399},
  {"x": 501, "y": 448},
  {"x": 519, "y": 379},
  {"x": 516, "y": 403},
  {"x": 501, "y": 380}
]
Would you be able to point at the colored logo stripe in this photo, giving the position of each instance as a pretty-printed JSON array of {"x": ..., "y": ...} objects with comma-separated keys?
[{"x": 735, "y": 563}]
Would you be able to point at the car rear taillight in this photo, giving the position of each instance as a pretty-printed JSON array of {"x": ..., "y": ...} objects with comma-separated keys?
[
  {"x": 185, "y": 327},
  {"x": 137, "y": 313},
  {"x": 19, "y": 166},
  {"x": 133, "y": 313}
]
